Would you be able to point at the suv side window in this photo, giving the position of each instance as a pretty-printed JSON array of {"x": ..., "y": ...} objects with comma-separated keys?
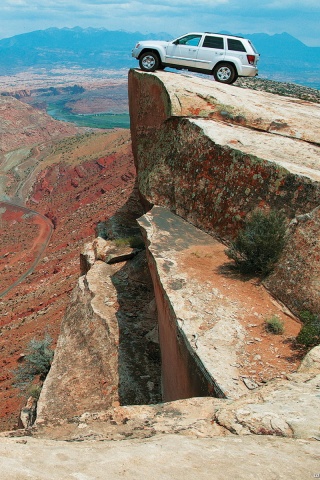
[
  {"x": 235, "y": 45},
  {"x": 213, "y": 42},
  {"x": 192, "y": 40}
]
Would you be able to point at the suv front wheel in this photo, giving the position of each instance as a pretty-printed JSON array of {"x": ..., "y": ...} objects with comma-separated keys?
[
  {"x": 149, "y": 62},
  {"x": 225, "y": 73}
]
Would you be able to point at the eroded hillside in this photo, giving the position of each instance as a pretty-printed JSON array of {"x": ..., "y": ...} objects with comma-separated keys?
[
  {"x": 21, "y": 125},
  {"x": 75, "y": 182}
]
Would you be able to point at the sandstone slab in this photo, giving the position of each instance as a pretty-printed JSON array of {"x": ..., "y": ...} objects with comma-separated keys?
[
  {"x": 166, "y": 457},
  {"x": 283, "y": 408},
  {"x": 200, "y": 334},
  {"x": 178, "y": 95},
  {"x": 84, "y": 373}
]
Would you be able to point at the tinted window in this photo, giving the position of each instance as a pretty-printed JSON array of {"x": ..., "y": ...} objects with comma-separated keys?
[
  {"x": 235, "y": 45},
  {"x": 213, "y": 42},
  {"x": 192, "y": 40}
]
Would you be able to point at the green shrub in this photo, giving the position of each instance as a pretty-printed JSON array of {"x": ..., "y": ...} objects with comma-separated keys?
[
  {"x": 37, "y": 362},
  {"x": 309, "y": 335},
  {"x": 259, "y": 245},
  {"x": 274, "y": 325},
  {"x": 34, "y": 391},
  {"x": 133, "y": 242}
]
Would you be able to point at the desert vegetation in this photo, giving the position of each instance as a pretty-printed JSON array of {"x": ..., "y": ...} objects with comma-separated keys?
[
  {"x": 274, "y": 325},
  {"x": 259, "y": 244},
  {"x": 309, "y": 335},
  {"x": 35, "y": 366}
]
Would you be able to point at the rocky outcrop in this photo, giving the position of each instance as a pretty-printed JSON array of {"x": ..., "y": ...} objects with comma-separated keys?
[
  {"x": 108, "y": 352},
  {"x": 210, "y": 327},
  {"x": 85, "y": 366},
  {"x": 212, "y": 153},
  {"x": 200, "y": 335},
  {"x": 282, "y": 408}
]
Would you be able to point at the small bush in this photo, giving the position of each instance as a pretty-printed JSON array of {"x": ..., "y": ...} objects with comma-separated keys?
[
  {"x": 309, "y": 335},
  {"x": 133, "y": 242},
  {"x": 34, "y": 391},
  {"x": 259, "y": 245},
  {"x": 37, "y": 362},
  {"x": 274, "y": 325}
]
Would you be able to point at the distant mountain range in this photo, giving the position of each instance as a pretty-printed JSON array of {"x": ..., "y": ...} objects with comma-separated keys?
[{"x": 283, "y": 57}]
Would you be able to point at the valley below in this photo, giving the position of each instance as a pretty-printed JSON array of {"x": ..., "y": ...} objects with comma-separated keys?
[
  {"x": 73, "y": 184},
  {"x": 94, "y": 98}
]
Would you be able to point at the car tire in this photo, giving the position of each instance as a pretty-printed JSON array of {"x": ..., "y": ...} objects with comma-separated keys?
[
  {"x": 149, "y": 62},
  {"x": 225, "y": 73}
]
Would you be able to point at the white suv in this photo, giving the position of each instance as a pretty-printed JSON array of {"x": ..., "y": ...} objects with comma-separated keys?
[{"x": 227, "y": 57}]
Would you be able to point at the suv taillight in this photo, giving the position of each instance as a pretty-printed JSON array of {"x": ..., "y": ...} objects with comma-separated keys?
[{"x": 251, "y": 59}]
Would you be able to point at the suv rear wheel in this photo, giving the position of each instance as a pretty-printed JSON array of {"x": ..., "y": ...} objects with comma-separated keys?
[
  {"x": 149, "y": 62},
  {"x": 225, "y": 73}
]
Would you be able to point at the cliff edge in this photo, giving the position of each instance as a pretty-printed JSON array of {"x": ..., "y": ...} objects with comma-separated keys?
[{"x": 212, "y": 153}]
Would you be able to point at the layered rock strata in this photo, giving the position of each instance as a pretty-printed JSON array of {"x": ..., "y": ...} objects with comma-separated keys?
[
  {"x": 20, "y": 125},
  {"x": 207, "y": 327}
]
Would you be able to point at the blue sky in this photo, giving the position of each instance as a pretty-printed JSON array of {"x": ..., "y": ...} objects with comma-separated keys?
[{"x": 298, "y": 18}]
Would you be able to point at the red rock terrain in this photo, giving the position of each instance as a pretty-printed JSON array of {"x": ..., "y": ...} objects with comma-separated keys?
[
  {"x": 21, "y": 125},
  {"x": 81, "y": 181}
]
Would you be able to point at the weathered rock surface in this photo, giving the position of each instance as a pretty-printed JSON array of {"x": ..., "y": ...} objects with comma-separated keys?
[
  {"x": 105, "y": 354},
  {"x": 156, "y": 97},
  {"x": 84, "y": 374},
  {"x": 160, "y": 458},
  {"x": 296, "y": 278},
  {"x": 282, "y": 408},
  {"x": 199, "y": 340},
  {"x": 205, "y": 330},
  {"x": 215, "y": 169}
]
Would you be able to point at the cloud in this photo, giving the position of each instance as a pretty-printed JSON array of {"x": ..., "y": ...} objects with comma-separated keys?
[{"x": 174, "y": 16}]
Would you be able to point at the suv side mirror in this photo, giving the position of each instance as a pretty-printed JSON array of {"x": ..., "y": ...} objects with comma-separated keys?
[{"x": 176, "y": 42}]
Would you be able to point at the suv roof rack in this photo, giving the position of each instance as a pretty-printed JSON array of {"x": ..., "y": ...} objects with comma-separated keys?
[{"x": 225, "y": 34}]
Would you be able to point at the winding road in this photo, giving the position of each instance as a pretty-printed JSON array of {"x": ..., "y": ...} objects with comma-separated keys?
[{"x": 16, "y": 220}]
